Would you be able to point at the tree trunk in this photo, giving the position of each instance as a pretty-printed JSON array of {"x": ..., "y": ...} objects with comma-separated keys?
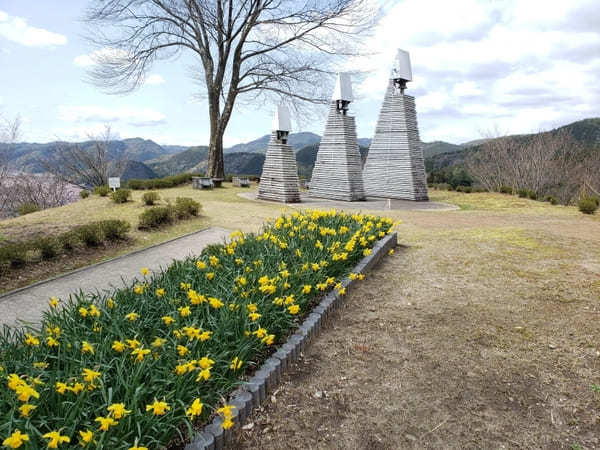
[{"x": 215, "y": 167}]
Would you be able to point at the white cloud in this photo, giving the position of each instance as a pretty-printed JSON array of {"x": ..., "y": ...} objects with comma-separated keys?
[
  {"x": 91, "y": 59},
  {"x": 17, "y": 30},
  {"x": 134, "y": 116},
  {"x": 154, "y": 79},
  {"x": 520, "y": 65}
]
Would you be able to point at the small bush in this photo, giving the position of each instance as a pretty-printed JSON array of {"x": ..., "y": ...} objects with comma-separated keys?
[
  {"x": 532, "y": 194},
  {"x": 102, "y": 191},
  {"x": 69, "y": 240},
  {"x": 114, "y": 229},
  {"x": 150, "y": 198},
  {"x": 596, "y": 199},
  {"x": 84, "y": 193},
  {"x": 90, "y": 234},
  {"x": 551, "y": 199},
  {"x": 523, "y": 193},
  {"x": 136, "y": 184},
  {"x": 156, "y": 217},
  {"x": 121, "y": 195},
  {"x": 587, "y": 205},
  {"x": 465, "y": 189},
  {"x": 506, "y": 190},
  {"x": 14, "y": 254},
  {"x": 28, "y": 208},
  {"x": 48, "y": 247},
  {"x": 186, "y": 207}
]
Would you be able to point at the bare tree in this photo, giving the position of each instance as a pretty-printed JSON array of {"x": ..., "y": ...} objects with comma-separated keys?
[
  {"x": 275, "y": 49},
  {"x": 88, "y": 163},
  {"x": 10, "y": 130}
]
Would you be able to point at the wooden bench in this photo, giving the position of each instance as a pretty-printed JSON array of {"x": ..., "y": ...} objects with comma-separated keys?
[
  {"x": 241, "y": 181},
  {"x": 202, "y": 183}
]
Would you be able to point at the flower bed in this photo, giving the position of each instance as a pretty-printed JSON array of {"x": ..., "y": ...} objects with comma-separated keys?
[{"x": 136, "y": 368}]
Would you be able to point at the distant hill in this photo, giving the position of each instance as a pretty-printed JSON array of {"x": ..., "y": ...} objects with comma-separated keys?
[
  {"x": 136, "y": 170},
  {"x": 586, "y": 132},
  {"x": 189, "y": 160},
  {"x": 307, "y": 156},
  {"x": 296, "y": 140},
  {"x": 435, "y": 148}
]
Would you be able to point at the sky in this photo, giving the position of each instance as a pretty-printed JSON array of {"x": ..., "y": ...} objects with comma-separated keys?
[{"x": 479, "y": 67}]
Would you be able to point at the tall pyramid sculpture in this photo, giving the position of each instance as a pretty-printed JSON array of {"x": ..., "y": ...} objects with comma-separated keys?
[
  {"x": 279, "y": 179},
  {"x": 338, "y": 169},
  {"x": 395, "y": 167}
]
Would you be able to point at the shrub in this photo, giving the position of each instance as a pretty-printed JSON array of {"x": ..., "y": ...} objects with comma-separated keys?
[
  {"x": 90, "y": 234},
  {"x": 121, "y": 195},
  {"x": 596, "y": 199},
  {"x": 523, "y": 193},
  {"x": 102, "y": 191},
  {"x": 14, "y": 254},
  {"x": 551, "y": 199},
  {"x": 28, "y": 208},
  {"x": 465, "y": 189},
  {"x": 506, "y": 190},
  {"x": 150, "y": 198},
  {"x": 479, "y": 189},
  {"x": 156, "y": 217},
  {"x": 161, "y": 183},
  {"x": 84, "y": 193},
  {"x": 114, "y": 229},
  {"x": 48, "y": 247},
  {"x": 68, "y": 240},
  {"x": 587, "y": 205},
  {"x": 532, "y": 194},
  {"x": 186, "y": 207}
]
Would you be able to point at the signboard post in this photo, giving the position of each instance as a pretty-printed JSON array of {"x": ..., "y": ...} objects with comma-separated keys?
[{"x": 114, "y": 183}]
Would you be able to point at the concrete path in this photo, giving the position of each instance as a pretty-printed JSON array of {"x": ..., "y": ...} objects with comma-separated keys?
[
  {"x": 370, "y": 204},
  {"x": 27, "y": 304}
]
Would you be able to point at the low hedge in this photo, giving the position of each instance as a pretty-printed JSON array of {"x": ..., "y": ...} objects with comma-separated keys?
[
  {"x": 138, "y": 366},
  {"x": 161, "y": 183},
  {"x": 92, "y": 234},
  {"x": 184, "y": 208}
]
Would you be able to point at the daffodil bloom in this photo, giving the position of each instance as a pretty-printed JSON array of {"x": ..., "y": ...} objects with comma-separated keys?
[
  {"x": 185, "y": 286},
  {"x": 86, "y": 347},
  {"x": 239, "y": 261},
  {"x": 214, "y": 261},
  {"x": 391, "y": 252},
  {"x": 366, "y": 251},
  {"x": 268, "y": 289},
  {"x": 195, "y": 409},
  {"x": 135, "y": 447},
  {"x": 60, "y": 387},
  {"x": 254, "y": 316},
  {"x": 260, "y": 333},
  {"x": 286, "y": 285},
  {"x": 140, "y": 353},
  {"x": 76, "y": 388},
  {"x": 195, "y": 298},
  {"x": 160, "y": 292},
  {"x": 144, "y": 271},
  {"x": 361, "y": 276},
  {"x": 278, "y": 301},
  {"x": 210, "y": 275},
  {"x": 293, "y": 309},
  {"x": 51, "y": 342},
  {"x": 133, "y": 343},
  {"x": 93, "y": 311},
  {"x": 118, "y": 346},
  {"x": 215, "y": 302},
  {"x": 158, "y": 342},
  {"x": 117, "y": 410},
  {"x": 53, "y": 302},
  {"x": 86, "y": 437},
  {"x": 39, "y": 365},
  {"x": 25, "y": 392},
  {"x": 90, "y": 375},
  {"x": 342, "y": 291},
  {"x": 56, "y": 439},
  {"x": 306, "y": 289},
  {"x": 132, "y": 316},
  {"x": 201, "y": 265},
  {"x": 353, "y": 276},
  {"x": 184, "y": 311},
  {"x": 158, "y": 408},
  {"x": 205, "y": 335},
  {"x": 269, "y": 339},
  {"x": 31, "y": 340},
  {"x": 16, "y": 439},
  {"x": 83, "y": 312},
  {"x": 110, "y": 303},
  {"x": 26, "y": 409},
  {"x": 225, "y": 411},
  {"x": 105, "y": 423},
  {"x": 182, "y": 350},
  {"x": 138, "y": 289},
  {"x": 236, "y": 363},
  {"x": 321, "y": 286},
  {"x": 205, "y": 362},
  {"x": 204, "y": 374},
  {"x": 298, "y": 253},
  {"x": 168, "y": 320}
]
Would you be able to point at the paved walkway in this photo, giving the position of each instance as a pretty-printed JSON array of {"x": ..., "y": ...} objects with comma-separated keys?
[
  {"x": 370, "y": 204},
  {"x": 27, "y": 304}
]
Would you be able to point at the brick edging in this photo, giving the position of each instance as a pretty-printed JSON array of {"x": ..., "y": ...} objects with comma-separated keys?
[{"x": 253, "y": 393}]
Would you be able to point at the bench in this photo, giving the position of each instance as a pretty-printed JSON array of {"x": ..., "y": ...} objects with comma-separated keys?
[
  {"x": 202, "y": 183},
  {"x": 241, "y": 181}
]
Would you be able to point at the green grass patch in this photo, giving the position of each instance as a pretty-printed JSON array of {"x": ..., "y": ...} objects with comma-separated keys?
[{"x": 133, "y": 366}]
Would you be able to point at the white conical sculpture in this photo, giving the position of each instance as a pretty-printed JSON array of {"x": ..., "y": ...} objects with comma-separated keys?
[
  {"x": 338, "y": 169},
  {"x": 395, "y": 167},
  {"x": 279, "y": 179}
]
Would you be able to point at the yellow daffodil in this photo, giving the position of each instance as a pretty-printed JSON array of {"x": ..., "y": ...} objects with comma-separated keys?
[
  {"x": 31, "y": 340},
  {"x": 138, "y": 289},
  {"x": 56, "y": 439},
  {"x": 133, "y": 343},
  {"x": 227, "y": 423},
  {"x": 293, "y": 309},
  {"x": 53, "y": 302},
  {"x": 168, "y": 320},
  {"x": 195, "y": 409},
  {"x": 204, "y": 374},
  {"x": 260, "y": 333},
  {"x": 86, "y": 347},
  {"x": 205, "y": 362},
  {"x": 110, "y": 303},
  {"x": 83, "y": 312},
  {"x": 391, "y": 252},
  {"x": 117, "y": 410},
  {"x": 366, "y": 251},
  {"x": 105, "y": 423},
  {"x": 158, "y": 408},
  {"x": 236, "y": 363},
  {"x": 254, "y": 316},
  {"x": 214, "y": 261},
  {"x": 140, "y": 353},
  {"x": 60, "y": 387},
  {"x": 132, "y": 316},
  {"x": 93, "y": 311},
  {"x": 210, "y": 275},
  {"x": 39, "y": 365},
  {"x": 182, "y": 350},
  {"x": 144, "y": 271},
  {"x": 86, "y": 437},
  {"x": 215, "y": 303},
  {"x": 201, "y": 265},
  {"x": 76, "y": 388},
  {"x": 184, "y": 311},
  {"x": 269, "y": 339},
  {"x": 158, "y": 342},
  {"x": 16, "y": 439},
  {"x": 226, "y": 411},
  {"x": 26, "y": 409},
  {"x": 160, "y": 292},
  {"x": 136, "y": 447},
  {"x": 25, "y": 392},
  {"x": 118, "y": 346},
  {"x": 306, "y": 289},
  {"x": 51, "y": 342},
  {"x": 205, "y": 335},
  {"x": 89, "y": 375}
]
